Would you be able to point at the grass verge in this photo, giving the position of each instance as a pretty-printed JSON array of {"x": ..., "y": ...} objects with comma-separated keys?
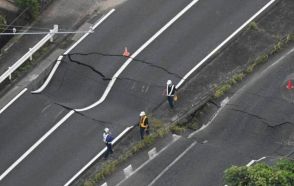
[
  {"x": 158, "y": 131},
  {"x": 278, "y": 46}
]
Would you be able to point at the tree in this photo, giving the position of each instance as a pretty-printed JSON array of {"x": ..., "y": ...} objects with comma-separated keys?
[
  {"x": 32, "y": 5},
  {"x": 260, "y": 174}
]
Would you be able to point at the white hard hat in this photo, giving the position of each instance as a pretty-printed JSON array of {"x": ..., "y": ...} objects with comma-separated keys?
[
  {"x": 106, "y": 130},
  {"x": 142, "y": 113},
  {"x": 169, "y": 82}
]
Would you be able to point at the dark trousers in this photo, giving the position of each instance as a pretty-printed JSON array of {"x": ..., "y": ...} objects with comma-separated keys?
[
  {"x": 108, "y": 150},
  {"x": 143, "y": 131},
  {"x": 170, "y": 100}
]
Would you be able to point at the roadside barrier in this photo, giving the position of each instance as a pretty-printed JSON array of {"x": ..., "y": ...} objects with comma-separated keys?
[{"x": 29, "y": 54}]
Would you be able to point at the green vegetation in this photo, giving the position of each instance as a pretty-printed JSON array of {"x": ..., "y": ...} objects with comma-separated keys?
[
  {"x": 222, "y": 89},
  {"x": 32, "y": 5},
  {"x": 225, "y": 87},
  {"x": 253, "y": 26},
  {"x": 278, "y": 46},
  {"x": 2, "y": 22},
  {"x": 110, "y": 166},
  {"x": 28, "y": 65},
  {"x": 282, "y": 173},
  {"x": 177, "y": 129}
]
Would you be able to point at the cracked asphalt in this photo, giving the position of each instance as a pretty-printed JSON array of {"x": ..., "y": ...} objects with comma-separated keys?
[{"x": 256, "y": 122}]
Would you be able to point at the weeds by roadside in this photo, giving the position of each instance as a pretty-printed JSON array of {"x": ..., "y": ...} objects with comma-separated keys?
[
  {"x": 158, "y": 131},
  {"x": 278, "y": 46}
]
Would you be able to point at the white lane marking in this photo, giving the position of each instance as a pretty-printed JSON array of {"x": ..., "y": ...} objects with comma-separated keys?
[
  {"x": 97, "y": 156},
  {"x": 254, "y": 161},
  {"x": 13, "y": 100},
  {"x": 65, "y": 53},
  {"x": 7, "y": 171},
  {"x": 175, "y": 138},
  {"x": 49, "y": 77},
  {"x": 224, "y": 42},
  {"x": 122, "y": 68},
  {"x": 170, "y": 165}
]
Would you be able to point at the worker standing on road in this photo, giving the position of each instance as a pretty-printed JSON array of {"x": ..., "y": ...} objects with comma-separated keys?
[
  {"x": 143, "y": 124},
  {"x": 170, "y": 93},
  {"x": 107, "y": 139}
]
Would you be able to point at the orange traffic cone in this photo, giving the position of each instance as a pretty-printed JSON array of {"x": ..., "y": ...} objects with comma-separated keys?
[
  {"x": 290, "y": 85},
  {"x": 126, "y": 53}
]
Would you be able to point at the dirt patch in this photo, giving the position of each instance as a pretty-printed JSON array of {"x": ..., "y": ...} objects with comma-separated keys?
[{"x": 8, "y": 6}]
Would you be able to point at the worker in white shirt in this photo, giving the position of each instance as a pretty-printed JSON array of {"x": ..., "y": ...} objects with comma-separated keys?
[{"x": 107, "y": 139}]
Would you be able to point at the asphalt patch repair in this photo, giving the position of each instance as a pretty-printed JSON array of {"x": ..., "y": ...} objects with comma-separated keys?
[{"x": 197, "y": 95}]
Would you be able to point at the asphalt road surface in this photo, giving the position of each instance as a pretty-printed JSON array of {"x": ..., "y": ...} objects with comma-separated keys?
[
  {"x": 257, "y": 122},
  {"x": 139, "y": 87}
]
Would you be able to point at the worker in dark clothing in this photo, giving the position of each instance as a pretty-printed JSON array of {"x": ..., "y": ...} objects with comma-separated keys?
[
  {"x": 107, "y": 139},
  {"x": 143, "y": 124},
  {"x": 170, "y": 93}
]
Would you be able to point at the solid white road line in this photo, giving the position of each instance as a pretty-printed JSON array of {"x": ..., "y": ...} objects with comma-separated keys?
[
  {"x": 15, "y": 98},
  {"x": 223, "y": 43},
  {"x": 49, "y": 77},
  {"x": 170, "y": 165},
  {"x": 122, "y": 68},
  {"x": 7, "y": 171},
  {"x": 94, "y": 27},
  {"x": 97, "y": 156},
  {"x": 149, "y": 160},
  {"x": 65, "y": 53},
  {"x": 254, "y": 161}
]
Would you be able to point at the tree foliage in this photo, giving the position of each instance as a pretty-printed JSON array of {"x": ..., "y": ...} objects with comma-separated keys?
[
  {"x": 260, "y": 174},
  {"x": 32, "y": 5}
]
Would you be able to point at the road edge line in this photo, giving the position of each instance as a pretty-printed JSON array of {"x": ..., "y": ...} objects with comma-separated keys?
[
  {"x": 97, "y": 156},
  {"x": 172, "y": 163},
  {"x": 224, "y": 42},
  {"x": 12, "y": 101},
  {"x": 36, "y": 144},
  {"x": 68, "y": 50},
  {"x": 149, "y": 160}
]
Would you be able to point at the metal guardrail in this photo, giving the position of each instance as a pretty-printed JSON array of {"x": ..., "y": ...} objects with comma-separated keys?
[{"x": 29, "y": 54}]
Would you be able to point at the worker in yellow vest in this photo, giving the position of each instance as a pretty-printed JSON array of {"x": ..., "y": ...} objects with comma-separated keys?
[{"x": 143, "y": 124}]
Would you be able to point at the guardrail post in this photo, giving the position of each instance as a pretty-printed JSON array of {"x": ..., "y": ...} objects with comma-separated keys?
[{"x": 52, "y": 32}]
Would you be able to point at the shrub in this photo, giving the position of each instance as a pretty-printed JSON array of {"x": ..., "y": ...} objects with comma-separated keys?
[
  {"x": 253, "y": 26},
  {"x": 222, "y": 90},
  {"x": 282, "y": 173},
  {"x": 32, "y": 5}
]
